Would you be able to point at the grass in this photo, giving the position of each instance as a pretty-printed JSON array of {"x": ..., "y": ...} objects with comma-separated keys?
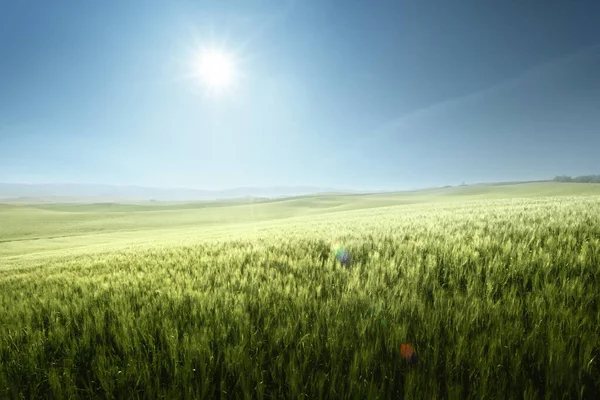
[{"x": 495, "y": 288}]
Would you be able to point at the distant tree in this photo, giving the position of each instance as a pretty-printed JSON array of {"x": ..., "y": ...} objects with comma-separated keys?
[
  {"x": 562, "y": 178},
  {"x": 578, "y": 179}
]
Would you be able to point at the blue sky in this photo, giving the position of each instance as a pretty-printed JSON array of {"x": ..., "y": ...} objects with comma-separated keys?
[{"x": 344, "y": 94}]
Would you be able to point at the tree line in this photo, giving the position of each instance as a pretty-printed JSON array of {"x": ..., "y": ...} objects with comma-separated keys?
[{"x": 578, "y": 179}]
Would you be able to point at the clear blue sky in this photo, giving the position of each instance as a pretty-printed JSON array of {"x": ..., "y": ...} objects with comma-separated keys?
[{"x": 344, "y": 94}]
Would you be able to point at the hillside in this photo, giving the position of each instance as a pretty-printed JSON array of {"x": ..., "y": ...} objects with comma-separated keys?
[{"x": 35, "y": 228}]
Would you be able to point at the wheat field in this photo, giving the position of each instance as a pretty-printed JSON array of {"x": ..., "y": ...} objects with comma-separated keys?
[{"x": 496, "y": 289}]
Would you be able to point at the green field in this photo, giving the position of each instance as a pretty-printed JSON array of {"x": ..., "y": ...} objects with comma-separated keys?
[{"x": 496, "y": 287}]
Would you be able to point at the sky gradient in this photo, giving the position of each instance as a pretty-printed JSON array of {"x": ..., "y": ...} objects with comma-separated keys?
[{"x": 346, "y": 94}]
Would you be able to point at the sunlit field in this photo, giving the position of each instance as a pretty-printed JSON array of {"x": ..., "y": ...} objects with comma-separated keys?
[{"x": 495, "y": 287}]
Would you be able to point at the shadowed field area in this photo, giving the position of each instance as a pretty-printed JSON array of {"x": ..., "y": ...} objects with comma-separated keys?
[{"x": 495, "y": 287}]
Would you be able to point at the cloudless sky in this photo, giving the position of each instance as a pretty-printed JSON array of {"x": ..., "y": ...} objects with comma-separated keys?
[{"x": 344, "y": 94}]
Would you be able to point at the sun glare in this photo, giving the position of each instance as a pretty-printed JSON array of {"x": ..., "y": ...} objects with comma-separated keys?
[{"x": 216, "y": 69}]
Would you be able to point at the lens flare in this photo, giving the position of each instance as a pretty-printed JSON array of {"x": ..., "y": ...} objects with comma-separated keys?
[
  {"x": 342, "y": 254},
  {"x": 408, "y": 353}
]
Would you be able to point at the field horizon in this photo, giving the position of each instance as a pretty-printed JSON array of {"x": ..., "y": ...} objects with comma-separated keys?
[{"x": 81, "y": 193}]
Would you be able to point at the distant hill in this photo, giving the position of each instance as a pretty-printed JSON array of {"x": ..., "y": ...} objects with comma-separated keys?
[
  {"x": 78, "y": 193},
  {"x": 88, "y": 194}
]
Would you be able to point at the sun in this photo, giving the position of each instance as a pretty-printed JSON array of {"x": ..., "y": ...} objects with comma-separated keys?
[{"x": 216, "y": 69}]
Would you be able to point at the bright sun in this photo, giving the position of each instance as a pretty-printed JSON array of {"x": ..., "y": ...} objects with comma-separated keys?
[{"x": 216, "y": 69}]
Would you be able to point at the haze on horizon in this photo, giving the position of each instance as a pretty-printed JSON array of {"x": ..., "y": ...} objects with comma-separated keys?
[{"x": 382, "y": 95}]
